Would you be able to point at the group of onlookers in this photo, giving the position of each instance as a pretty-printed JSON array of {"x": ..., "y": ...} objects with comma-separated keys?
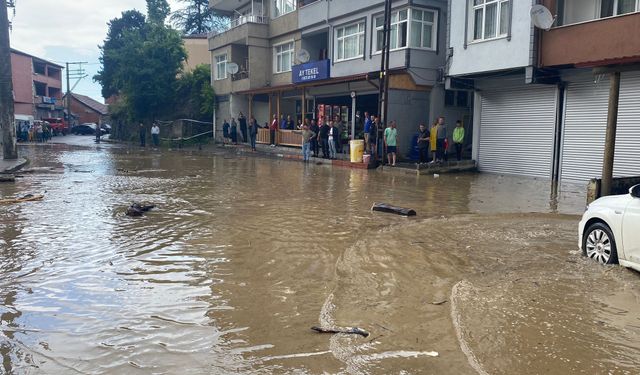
[
  {"x": 323, "y": 135},
  {"x": 39, "y": 131},
  {"x": 248, "y": 130},
  {"x": 435, "y": 140}
]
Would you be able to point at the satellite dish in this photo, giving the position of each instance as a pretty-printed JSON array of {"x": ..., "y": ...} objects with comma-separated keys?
[
  {"x": 232, "y": 68},
  {"x": 541, "y": 17},
  {"x": 303, "y": 56}
]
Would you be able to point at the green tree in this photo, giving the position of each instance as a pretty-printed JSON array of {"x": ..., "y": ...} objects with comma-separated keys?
[
  {"x": 140, "y": 65},
  {"x": 158, "y": 11},
  {"x": 194, "y": 94},
  {"x": 197, "y": 18}
]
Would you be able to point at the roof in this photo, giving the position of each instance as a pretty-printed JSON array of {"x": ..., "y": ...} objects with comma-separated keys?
[
  {"x": 196, "y": 36},
  {"x": 35, "y": 57},
  {"x": 95, "y": 105}
]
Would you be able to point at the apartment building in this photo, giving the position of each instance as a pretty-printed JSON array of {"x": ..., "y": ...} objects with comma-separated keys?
[
  {"x": 321, "y": 58},
  {"x": 37, "y": 86},
  {"x": 541, "y": 96}
]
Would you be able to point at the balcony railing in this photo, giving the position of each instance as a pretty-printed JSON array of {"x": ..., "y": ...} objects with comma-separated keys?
[
  {"x": 240, "y": 75},
  {"x": 248, "y": 18}
]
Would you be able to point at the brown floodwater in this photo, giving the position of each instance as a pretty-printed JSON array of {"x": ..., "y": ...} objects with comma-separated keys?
[{"x": 243, "y": 255}]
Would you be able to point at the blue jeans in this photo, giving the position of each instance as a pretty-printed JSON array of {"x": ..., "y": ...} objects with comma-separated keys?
[
  {"x": 306, "y": 151},
  {"x": 252, "y": 138},
  {"x": 332, "y": 149}
]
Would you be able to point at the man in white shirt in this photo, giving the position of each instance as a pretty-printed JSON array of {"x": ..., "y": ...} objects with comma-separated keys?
[{"x": 155, "y": 134}]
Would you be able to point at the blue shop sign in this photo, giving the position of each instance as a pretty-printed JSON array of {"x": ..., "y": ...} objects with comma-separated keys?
[{"x": 312, "y": 71}]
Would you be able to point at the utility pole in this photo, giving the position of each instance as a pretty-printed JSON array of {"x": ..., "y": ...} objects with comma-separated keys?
[
  {"x": 383, "y": 93},
  {"x": 7, "y": 126},
  {"x": 610, "y": 138},
  {"x": 78, "y": 73}
]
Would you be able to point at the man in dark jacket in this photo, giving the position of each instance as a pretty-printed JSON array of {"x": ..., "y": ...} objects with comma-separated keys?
[
  {"x": 423, "y": 143},
  {"x": 323, "y": 137},
  {"x": 143, "y": 135},
  {"x": 243, "y": 127},
  {"x": 314, "y": 141},
  {"x": 373, "y": 138}
]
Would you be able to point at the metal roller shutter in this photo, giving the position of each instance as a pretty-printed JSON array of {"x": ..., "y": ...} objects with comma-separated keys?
[
  {"x": 517, "y": 131},
  {"x": 585, "y": 125},
  {"x": 627, "y": 156}
]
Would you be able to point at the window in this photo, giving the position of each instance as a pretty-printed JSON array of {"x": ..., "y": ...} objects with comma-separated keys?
[
  {"x": 422, "y": 29},
  {"x": 456, "y": 98},
  {"x": 284, "y": 7},
  {"x": 490, "y": 19},
  {"x": 575, "y": 11},
  {"x": 421, "y": 32},
  {"x": 350, "y": 42},
  {"x": 283, "y": 57},
  {"x": 221, "y": 67},
  {"x": 610, "y": 8}
]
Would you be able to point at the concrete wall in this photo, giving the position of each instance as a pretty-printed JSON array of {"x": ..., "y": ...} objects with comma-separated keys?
[
  {"x": 283, "y": 24},
  {"x": 197, "y": 51},
  {"x": 408, "y": 109},
  {"x": 491, "y": 55}
]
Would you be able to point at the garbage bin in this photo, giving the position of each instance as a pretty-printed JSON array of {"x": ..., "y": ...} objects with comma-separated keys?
[{"x": 356, "y": 148}]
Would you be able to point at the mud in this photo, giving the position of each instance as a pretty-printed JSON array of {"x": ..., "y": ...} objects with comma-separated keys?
[{"x": 242, "y": 256}]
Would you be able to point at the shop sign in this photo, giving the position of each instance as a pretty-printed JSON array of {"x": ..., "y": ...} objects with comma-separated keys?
[{"x": 312, "y": 71}]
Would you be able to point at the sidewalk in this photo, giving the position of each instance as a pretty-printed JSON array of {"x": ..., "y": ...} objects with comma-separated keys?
[
  {"x": 10, "y": 166},
  {"x": 429, "y": 169}
]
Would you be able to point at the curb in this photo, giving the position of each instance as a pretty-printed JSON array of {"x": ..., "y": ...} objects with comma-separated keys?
[{"x": 20, "y": 163}]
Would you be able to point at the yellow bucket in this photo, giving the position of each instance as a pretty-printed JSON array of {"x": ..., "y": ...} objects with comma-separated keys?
[{"x": 356, "y": 148}]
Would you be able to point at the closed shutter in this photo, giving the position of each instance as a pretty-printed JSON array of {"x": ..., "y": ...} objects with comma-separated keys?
[
  {"x": 585, "y": 125},
  {"x": 627, "y": 156},
  {"x": 517, "y": 131}
]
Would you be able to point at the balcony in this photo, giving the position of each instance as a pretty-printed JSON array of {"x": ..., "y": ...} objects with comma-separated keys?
[
  {"x": 249, "y": 18},
  {"x": 593, "y": 43}
]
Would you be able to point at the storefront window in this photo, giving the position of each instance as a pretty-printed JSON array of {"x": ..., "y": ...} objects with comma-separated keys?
[{"x": 350, "y": 42}]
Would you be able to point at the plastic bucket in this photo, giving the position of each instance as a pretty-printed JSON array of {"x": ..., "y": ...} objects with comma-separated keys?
[
  {"x": 356, "y": 148},
  {"x": 366, "y": 158}
]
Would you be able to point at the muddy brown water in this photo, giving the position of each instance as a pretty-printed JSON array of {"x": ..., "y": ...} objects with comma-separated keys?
[{"x": 244, "y": 255}]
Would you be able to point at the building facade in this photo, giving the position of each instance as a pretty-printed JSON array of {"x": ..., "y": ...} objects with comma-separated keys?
[
  {"x": 321, "y": 58},
  {"x": 86, "y": 109},
  {"x": 197, "y": 48},
  {"x": 37, "y": 86},
  {"x": 541, "y": 96}
]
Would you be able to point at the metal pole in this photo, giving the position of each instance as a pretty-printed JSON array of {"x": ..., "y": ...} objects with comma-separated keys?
[
  {"x": 68, "y": 101},
  {"x": 7, "y": 115},
  {"x": 386, "y": 75},
  {"x": 610, "y": 139}
]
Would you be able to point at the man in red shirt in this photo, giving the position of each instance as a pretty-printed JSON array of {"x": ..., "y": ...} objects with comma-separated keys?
[{"x": 272, "y": 129}]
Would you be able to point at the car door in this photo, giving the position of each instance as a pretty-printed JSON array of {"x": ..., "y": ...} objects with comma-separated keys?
[{"x": 631, "y": 231}]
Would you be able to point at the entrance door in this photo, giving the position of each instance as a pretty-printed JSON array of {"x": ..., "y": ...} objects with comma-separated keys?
[{"x": 517, "y": 131}]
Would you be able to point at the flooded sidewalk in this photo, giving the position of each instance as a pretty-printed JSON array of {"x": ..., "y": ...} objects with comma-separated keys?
[{"x": 243, "y": 255}]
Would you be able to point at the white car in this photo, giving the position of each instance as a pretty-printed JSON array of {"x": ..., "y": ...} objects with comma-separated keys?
[{"x": 609, "y": 231}]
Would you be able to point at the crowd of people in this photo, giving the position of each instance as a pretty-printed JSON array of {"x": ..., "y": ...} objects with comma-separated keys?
[
  {"x": 326, "y": 136},
  {"x": 39, "y": 131}
]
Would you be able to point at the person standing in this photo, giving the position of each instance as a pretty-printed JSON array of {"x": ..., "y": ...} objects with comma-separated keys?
[
  {"x": 234, "y": 131},
  {"x": 340, "y": 125},
  {"x": 283, "y": 122},
  {"x": 458, "y": 139},
  {"x": 307, "y": 136},
  {"x": 225, "y": 132},
  {"x": 391, "y": 142},
  {"x": 290, "y": 124},
  {"x": 433, "y": 141},
  {"x": 142, "y": 132},
  {"x": 333, "y": 140},
  {"x": 272, "y": 130},
  {"x": 423, "y": 143},
  {"x": 243, "y": 127},
  {"x": 314, "y": 141},
  {"x": 367, "y": 127},
  {"x": 253, "y": 133},
  {"x": 323, "y": 137},
  {"x": 155, "y": 134},
  {"x": 441, "y": 135},
  {"x": 373, "y": 138}
]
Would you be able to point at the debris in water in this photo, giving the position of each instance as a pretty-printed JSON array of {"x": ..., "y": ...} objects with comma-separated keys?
[
  {"x": 435, "y": 175},
  {"x": 383, "y": 207},
  {"x": 25, "y": 198},
  {"x": 438, "y": 303},
  {"x": 7, "y": 178},
  {"x": 137, "y": 209},
  {"x": 350, "y": 330}
]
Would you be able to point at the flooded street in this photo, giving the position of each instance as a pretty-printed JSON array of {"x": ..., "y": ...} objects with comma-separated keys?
[{"x": 243, "y": 255}]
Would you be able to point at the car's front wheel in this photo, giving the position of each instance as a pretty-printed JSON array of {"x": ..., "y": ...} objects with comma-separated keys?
[{"x": 599, "y": 244}]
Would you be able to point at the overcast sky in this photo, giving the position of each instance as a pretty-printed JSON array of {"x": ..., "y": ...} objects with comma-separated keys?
[{"x": 69, "y": 30}]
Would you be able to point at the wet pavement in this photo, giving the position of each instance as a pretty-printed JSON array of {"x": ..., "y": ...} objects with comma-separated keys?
[{"x": 243, "y": 255}]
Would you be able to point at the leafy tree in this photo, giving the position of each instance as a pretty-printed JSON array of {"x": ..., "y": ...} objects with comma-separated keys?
[
  {"x": 197, "y": 18},
  {"x": 194, "y": 94},
  {"x": 158, "y": 11}
]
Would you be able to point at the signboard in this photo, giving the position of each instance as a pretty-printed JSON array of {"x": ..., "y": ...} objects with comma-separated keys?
[
  {"x": 48, "y": 100},
  {"x": 312, "y": 71}
]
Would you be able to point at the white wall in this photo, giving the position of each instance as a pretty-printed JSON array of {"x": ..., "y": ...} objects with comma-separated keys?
[{"x": 493, "y": 55}]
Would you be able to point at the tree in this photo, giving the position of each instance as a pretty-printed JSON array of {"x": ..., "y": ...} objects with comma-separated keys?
[
  {"x": 140, "y": 65},
  {"x": 197, "y": 18},
  {"x": 158, "y": 11},
  {"x": 194, "y": 94}
]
